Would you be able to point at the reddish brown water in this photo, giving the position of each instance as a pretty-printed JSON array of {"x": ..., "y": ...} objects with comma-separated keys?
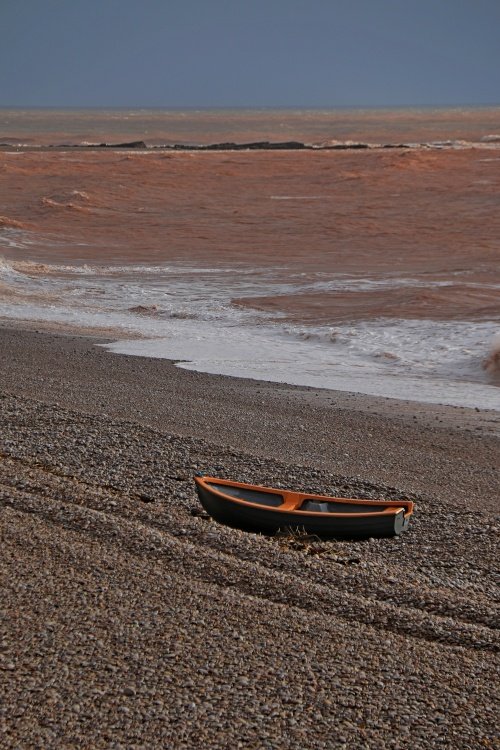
[
  {"x": 434, "y": 215},
  {"x": 375, "y": 270},
  {"x": 157, "y": 126}
]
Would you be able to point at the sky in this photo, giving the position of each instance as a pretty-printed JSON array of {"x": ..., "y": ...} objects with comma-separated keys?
[{"x": 249, "y": 53}]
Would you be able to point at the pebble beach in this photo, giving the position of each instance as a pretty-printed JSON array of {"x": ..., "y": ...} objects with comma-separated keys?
[{"x": 132, "y": 620}]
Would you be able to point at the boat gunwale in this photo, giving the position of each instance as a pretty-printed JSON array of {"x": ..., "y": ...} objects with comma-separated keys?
[{"x": 391, "y": 507}]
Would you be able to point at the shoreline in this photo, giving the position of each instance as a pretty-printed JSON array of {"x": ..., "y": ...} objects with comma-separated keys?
[
  {"x": 292, "y": 414},
  {"x": 132, "y": 619}
]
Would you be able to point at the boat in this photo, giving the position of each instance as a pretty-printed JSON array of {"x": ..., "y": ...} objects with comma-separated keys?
[{"x": 266, "y": 510}]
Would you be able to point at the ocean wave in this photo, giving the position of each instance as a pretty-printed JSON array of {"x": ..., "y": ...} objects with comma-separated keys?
[
  {"x": 145, "y": 310},
  {"x": 155, "y": 311},
  {"x": 7, "y": 223},
  {"x": 430, "y": 363},
  {"x": 33, "y": 268},
  {"x": 7, "y": 270},
  {"x": 69, "y": 289},
  {"x": 71, "y": 204},
  {"x": 454, "y": 349},
  {"x": 492, "y": 362},
  {"x": 94, "y": 269},
  {"x": 18, "y": 239},
  {"x": 449, "y": 144},
  {"x": 184, "y": 315},
  {"x": 493, "y": 138},
  {"x": 195, "y": 315},
  {"x": 140, "y": 147},
  {"x": 296, "y": 197}
]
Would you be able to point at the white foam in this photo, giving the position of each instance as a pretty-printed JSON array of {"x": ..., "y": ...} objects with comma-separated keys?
[
  {"x": 493, "y": 138},
  {"x": 296, "y": 197},
  {"x": 358, "y": 361},
  {"x": 183, "y": 292},
  {"x": 186, "y": 313},
  {"x": 25, "y": 239}
]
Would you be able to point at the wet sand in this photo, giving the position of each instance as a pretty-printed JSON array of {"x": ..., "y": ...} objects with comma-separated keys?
[{"x": 132, "y": 620}]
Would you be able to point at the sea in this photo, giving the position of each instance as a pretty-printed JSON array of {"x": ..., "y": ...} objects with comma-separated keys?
[{"x": 362, "y": 254}]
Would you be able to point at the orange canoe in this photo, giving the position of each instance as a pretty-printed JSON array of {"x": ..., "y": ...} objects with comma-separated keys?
[{"x": 263, "y": 509}]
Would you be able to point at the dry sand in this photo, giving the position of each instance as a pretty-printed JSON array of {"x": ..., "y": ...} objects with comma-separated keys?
[{"x": 130, "y": 620}]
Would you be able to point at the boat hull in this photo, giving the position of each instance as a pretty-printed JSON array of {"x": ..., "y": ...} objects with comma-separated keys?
[{"x": 248, "y": 517}]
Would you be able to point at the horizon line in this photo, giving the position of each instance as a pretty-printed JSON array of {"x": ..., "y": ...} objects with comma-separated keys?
[{"x": 207, "y": 107}]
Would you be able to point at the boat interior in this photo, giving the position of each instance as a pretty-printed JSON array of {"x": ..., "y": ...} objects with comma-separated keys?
[{"x": 298, "y": 502}]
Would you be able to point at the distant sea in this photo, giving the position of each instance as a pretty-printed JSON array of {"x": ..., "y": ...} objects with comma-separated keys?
[
  {"x": 373, "y": 269},
  {"x": 202, "y": 126}
]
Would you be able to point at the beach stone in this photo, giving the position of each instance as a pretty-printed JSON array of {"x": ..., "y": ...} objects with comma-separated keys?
[{"x": 128, "y": 624}]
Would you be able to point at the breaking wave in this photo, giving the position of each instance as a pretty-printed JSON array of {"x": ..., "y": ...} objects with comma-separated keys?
[
  {"x": 189, "y": 309},
  {"x": 454, "y": 349},
  {"x": 61, "y": 203},
  {"x": 492, "y": 362},
  {"x": 7, "y": 223}
]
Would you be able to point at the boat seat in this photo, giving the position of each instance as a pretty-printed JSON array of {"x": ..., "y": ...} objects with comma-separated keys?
[
  {"x": 270, "y": 499},
  {"x": 313, "y": 506}
]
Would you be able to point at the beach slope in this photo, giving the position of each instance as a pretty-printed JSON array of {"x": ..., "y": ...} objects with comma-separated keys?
[{"x": 132, "y": 620}]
